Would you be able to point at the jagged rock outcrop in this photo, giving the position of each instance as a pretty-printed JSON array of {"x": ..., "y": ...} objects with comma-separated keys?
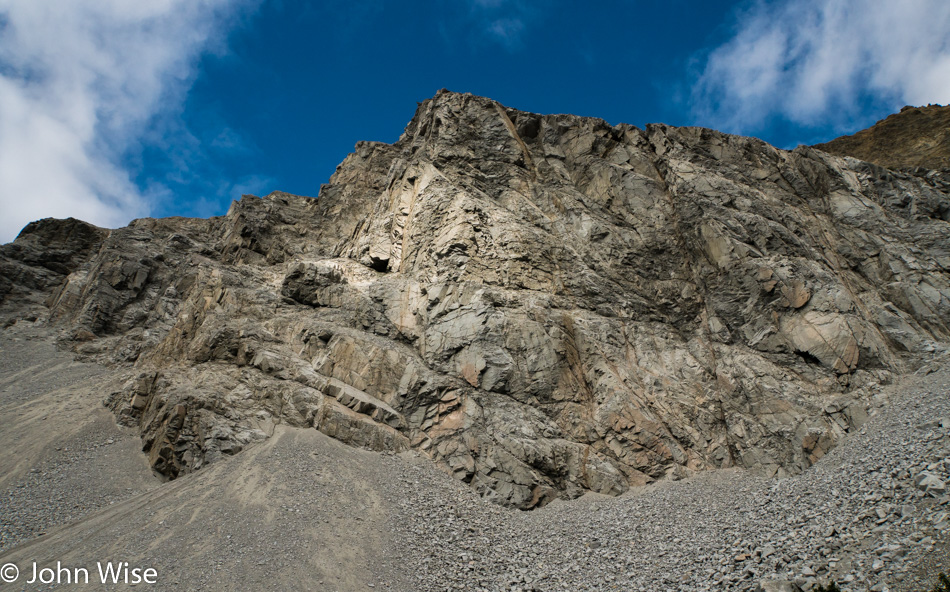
[
  {"x": 41, "y": 257},
  {"x": 544, "y": 304}
]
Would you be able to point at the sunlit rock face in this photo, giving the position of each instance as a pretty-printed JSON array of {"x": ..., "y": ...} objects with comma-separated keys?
[
  {"x": 543, "y": 304},
  {"x": 915, "y": 137}
]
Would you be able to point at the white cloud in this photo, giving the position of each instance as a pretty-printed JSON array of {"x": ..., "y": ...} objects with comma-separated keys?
[
  {"x": 80, "y": 80},
  {"x": 814, "y": 62}
]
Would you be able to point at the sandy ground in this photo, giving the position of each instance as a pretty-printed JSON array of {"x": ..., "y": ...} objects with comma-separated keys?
[
  {"x": 63, "y": 454},
  {"x": 299, "y": 511},
  {"x": 296, "y": 512}
]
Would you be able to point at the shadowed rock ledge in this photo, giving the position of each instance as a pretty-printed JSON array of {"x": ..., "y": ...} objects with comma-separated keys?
[{"x": 543, "y": 304}]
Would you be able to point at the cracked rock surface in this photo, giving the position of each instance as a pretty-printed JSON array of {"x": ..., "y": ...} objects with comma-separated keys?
[{"x": 544, "y": 305}]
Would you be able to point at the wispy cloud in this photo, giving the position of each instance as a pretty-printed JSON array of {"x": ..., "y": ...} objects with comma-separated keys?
[
  {"x": 502, "y": 22},
  {"x": 506, "y": 31},
  {"x": 80, "y": 81},
  {"x": 813, "y": 62}
]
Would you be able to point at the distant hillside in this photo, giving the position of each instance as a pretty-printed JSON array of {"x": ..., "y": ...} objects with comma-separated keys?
[{"x": 917, "y": 136}]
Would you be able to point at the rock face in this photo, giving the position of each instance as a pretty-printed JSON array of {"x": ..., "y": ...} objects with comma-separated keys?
[
  {"x": 915, "y": 137},
  {"x": 544, "y": 305},
  {"x": 41, "y": 257}
]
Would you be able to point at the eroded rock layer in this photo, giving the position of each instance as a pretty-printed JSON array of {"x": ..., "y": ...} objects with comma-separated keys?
[{"x": 545, "y": 305}]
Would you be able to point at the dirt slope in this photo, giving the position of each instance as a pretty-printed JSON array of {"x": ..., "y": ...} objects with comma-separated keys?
[
  {"x": 917, "y": 136},
  {"x": 300, "y": 511},
  {"x": 63, "y": 454}
]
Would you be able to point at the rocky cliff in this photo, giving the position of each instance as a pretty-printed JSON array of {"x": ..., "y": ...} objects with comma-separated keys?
[{"x": 543, "y": 304}]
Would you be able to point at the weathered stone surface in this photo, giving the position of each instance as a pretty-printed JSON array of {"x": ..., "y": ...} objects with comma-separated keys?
[
  {"x": 545, "y": 305},
  {"x": 43, "y": 253}
]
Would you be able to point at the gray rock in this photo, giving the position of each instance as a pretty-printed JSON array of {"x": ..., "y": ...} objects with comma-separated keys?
[
  {"x": 777, "y": 586},
  {"x": 930, "y": 483},
  {"x": 543, "y": 305}
]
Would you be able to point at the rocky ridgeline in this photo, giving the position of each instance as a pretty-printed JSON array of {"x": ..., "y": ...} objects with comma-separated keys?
[
  {"x": 545, "y": 305},
  {"x": 915, "y": 137}
]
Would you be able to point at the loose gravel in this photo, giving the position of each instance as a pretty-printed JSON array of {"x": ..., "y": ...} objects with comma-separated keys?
[
  {"x": 860, "y": 517},
  {"x": 63, "y": 454}
]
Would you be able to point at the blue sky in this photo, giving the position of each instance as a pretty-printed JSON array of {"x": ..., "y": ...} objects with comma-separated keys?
[{"x": 112, "y": 109}]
